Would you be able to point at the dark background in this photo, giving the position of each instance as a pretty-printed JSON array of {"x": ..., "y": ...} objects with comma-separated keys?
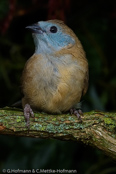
[{"x": 94, "y": 22}]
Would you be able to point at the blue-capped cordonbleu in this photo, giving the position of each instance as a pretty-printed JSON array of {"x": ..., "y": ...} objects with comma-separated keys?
[{"x": 55, "y": 77}]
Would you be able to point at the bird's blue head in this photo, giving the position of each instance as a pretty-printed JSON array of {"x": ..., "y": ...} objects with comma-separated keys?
[{"x": 51, "y": 36}]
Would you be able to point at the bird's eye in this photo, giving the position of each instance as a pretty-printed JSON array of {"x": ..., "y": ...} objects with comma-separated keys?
[{"x": 53, "y": 29}]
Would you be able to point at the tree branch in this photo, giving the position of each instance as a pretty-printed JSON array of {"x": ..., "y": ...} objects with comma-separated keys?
[{"x": 97, "y": 129}]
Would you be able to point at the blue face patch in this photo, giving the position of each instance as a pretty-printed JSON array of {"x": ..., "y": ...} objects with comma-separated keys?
[{"x": 53, "y": 37}]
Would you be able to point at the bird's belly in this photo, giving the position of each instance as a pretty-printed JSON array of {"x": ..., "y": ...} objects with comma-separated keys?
[
  {"x": 53, "y": 95},
  {"x": 52, "y": 89}
]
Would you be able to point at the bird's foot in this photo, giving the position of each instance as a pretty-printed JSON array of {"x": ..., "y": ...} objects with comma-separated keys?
[
  {"x": 77, "y": 112},
  {"x": 27, "y": 113}
]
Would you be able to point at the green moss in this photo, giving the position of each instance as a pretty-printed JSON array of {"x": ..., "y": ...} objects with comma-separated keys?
[
  {"x": 92, "y": 112},
  {"x": 18, "y": 119},
  {"x": 54, "y": 119},
  {"x": 43, "y": 128},
  {"x": 38, "y": 119},
  {"x": 62, "y": 119},
  {"x": 109, "y": 121},
  {"x": 111, "y": 124}
]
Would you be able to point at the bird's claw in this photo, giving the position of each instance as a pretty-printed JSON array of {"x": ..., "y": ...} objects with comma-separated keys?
[
  {"x": 77, "y": 112},
  {"x": 27, "y": 113}
]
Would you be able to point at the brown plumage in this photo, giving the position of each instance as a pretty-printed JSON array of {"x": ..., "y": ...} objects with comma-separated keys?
[{"x": 54, "y": 79}]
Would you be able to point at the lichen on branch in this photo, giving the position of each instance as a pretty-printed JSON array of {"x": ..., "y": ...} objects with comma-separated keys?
[{"x": 97, "y": 128}]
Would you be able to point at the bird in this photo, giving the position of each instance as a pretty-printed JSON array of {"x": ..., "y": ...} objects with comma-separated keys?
[{"x": 55, "y": 77}]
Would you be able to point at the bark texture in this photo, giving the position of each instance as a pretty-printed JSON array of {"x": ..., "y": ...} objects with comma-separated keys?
[{"x": 97, "y": 129}]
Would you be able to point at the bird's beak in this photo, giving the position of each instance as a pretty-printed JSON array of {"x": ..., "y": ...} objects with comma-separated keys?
[{"x": 35, "y": 28}]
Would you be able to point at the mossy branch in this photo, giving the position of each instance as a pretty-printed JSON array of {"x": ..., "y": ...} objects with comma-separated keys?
[{"x": 97, "y": 129}]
